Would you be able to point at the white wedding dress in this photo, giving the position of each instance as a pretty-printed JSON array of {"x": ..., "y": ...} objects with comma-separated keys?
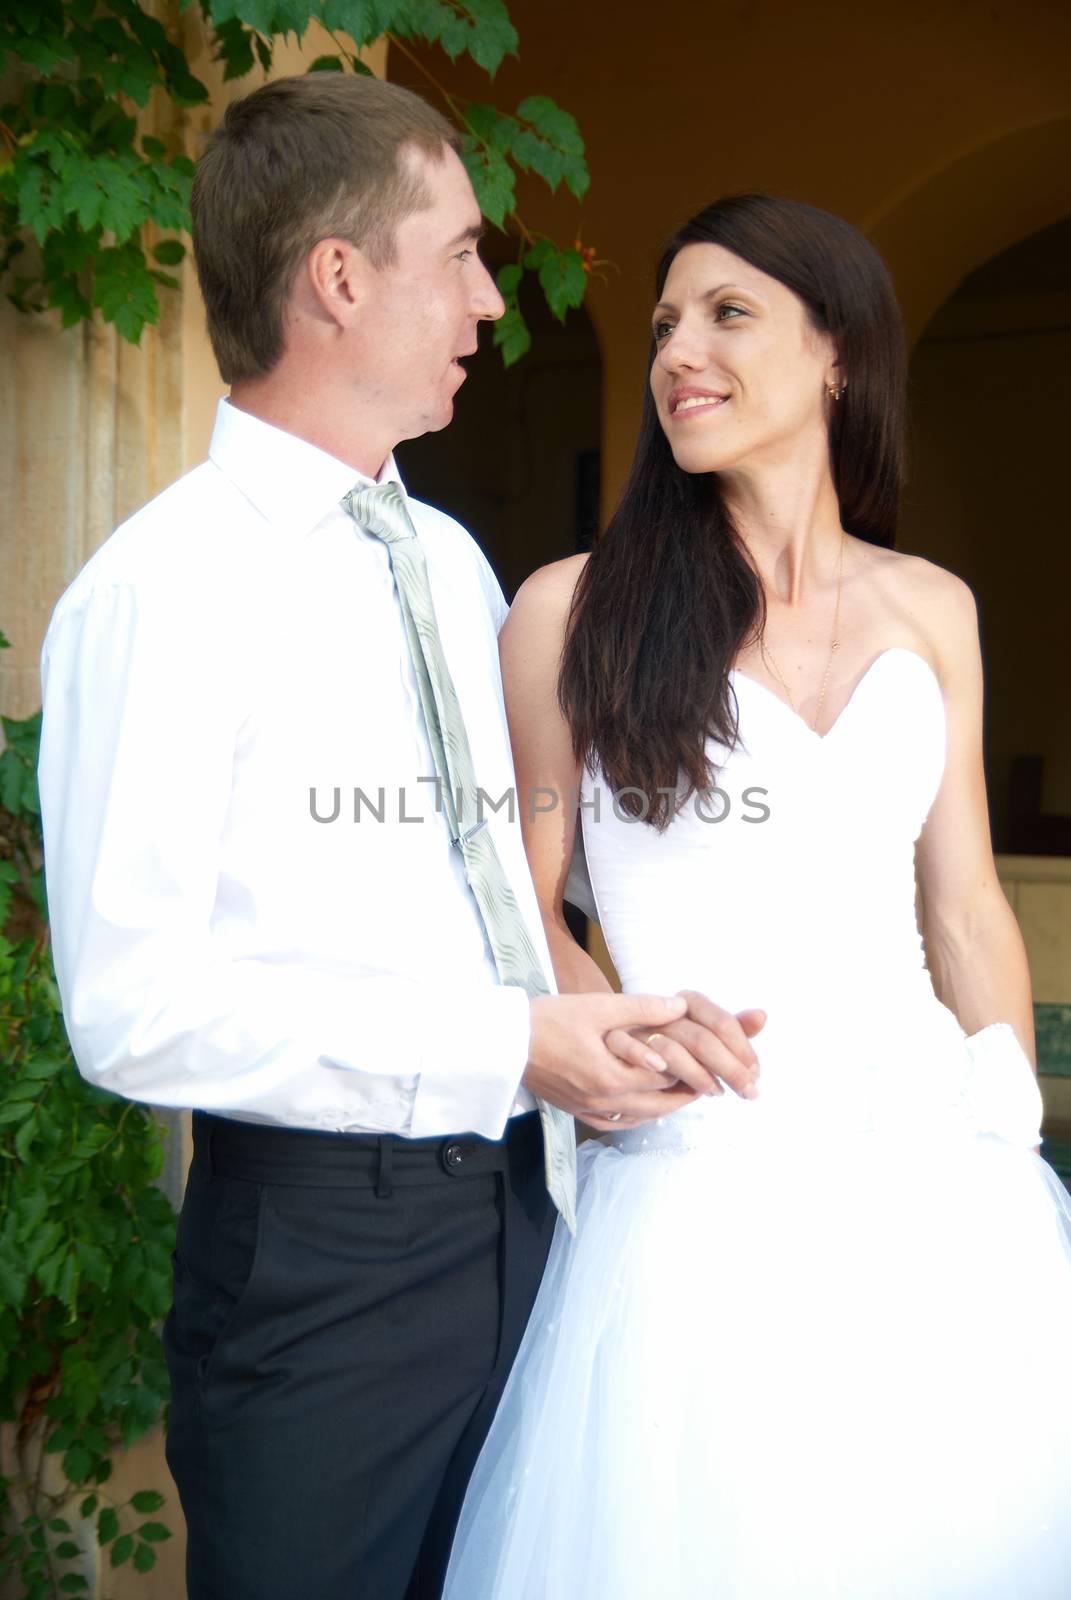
[{"x": 817, "y": 1344}]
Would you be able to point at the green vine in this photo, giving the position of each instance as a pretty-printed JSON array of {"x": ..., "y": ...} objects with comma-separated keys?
[
  {"x": 84, "y": 194},
  {"x": 85, "y": 1242}
]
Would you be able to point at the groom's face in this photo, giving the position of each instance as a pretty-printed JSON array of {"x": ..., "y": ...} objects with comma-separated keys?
[{"x": 421, "y": 310}]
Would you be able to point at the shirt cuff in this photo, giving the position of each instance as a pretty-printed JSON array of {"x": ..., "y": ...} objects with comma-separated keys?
[{"x": 471, "y": 1087}]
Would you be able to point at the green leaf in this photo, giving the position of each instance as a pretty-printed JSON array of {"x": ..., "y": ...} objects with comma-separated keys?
[
  {"x": 37, "y": 198},
  {"x": 558, "y": 127},
  {"x": 531, "y": 153},
  {"x": 123, "y": 290},
  {"x": 47, "y": 1272},
  {"x": 144, "y": 1558},
  {"x": 493, "y": 36},
  {"x": 122, "y": 1550},
  {"x": 78, "y": 1463},
  {"x": 234, "y": 47},
  {"x": 73, "y": 1583},
  {"x": 492, "y": 180},
  {"x": 15, "y": 1113},
  {"x": 147, "y": 1500},
  {"x": 42, "y": 1067},
  {"x": 24, "y": 1091},
  {"x": 256, "y": 14},
  {"x": 576, "y": 174},
  {"x": 509, "y": 279},
  {"x": 24, "y": 1139},
  {"x": 492, "y": 127},
  {"x": 141, "y": 1411},
  {"x": 326, "y": 64},
  {"x": 107, "y": 1526},
  {"x": 557, "y": 150},
  {"x": 511, "y": 336},
  {"x": 88, "y": 1506},
  {"x": 94, "y": 1262},
  {"x": 11, "y": 781},
  {"x": 43, "y": 55},
  {"x": 169, "y": 252},
  {"x": 155, "y": 1532},
  {"x": 57, "y": 1525},
  {"x": 561, "y": 276},
  {"x": 68, "y": 1550},
  {"x": 69, "y": 1279}
]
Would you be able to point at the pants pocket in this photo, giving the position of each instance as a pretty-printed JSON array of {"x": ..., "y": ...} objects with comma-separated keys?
[{"x": 214, "y": 1265}]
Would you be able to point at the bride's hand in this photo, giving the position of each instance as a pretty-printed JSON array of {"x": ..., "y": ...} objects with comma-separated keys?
[{"x": 707, "y": 1050}]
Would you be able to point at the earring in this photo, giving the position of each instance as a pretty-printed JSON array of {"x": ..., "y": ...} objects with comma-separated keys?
[{"x": 834, "y": 393}]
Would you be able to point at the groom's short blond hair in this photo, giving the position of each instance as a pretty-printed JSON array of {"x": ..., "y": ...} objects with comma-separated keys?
[{"x": 296, "y": 161}]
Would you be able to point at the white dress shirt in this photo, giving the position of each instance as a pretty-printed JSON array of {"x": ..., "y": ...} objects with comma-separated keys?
[{"x": 229, "y": 658}]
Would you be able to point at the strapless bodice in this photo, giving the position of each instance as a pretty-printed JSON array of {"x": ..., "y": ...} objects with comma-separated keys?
[{"x": 791, "y": 886}]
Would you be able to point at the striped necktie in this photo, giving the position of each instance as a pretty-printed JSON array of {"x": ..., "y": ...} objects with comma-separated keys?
[{"x": 382, "y": 511}]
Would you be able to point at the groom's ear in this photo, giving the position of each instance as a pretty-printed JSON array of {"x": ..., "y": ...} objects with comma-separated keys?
[{"x": 335, "y": 274}]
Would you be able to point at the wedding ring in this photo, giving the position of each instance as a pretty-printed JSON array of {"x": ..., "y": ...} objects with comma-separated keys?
[
  {"x": 651, "y": 1037},
  {"x": 613, "y": 1116}
]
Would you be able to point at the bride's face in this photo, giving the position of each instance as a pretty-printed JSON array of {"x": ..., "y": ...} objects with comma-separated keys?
[{"x": 740, "y": 375}]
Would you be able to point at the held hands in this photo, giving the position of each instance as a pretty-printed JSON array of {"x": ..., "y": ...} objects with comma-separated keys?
[
  {"x": 709, "y": 1049},
  {"x": 593, "y": 1054}
]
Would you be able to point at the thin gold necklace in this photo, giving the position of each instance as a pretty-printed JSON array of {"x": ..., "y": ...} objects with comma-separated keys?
[{"x": 834, "y": 646}]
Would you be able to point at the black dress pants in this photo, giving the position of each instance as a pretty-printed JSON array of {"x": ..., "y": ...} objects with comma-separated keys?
[{"x": 346, "y": 1311}]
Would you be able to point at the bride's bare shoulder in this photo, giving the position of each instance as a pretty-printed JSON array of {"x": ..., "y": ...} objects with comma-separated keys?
[
  {"x": 544, "y": 598},
  {"x": 552, "y": 582},
  {"x": 928, "y": 600}
]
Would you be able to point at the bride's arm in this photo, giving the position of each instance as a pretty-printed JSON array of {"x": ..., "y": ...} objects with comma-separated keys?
[
  {"x": 531, "y": 645},
  {"x": 974, "y": 949},
  {"x": 709, "y": 1047}
]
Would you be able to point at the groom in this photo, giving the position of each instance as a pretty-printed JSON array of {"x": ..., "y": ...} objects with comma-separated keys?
[{"x": 261, "y": 697}]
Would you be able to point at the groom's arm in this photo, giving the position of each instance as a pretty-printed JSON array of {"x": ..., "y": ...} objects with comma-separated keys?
[{"x": 141, "y": 719}]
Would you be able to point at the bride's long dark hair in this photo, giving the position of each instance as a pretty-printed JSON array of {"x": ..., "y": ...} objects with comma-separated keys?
[{"x": 668, "y": 598}]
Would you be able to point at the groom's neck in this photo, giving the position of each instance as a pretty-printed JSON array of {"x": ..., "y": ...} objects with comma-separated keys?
[{"x": 305, "y": 405}]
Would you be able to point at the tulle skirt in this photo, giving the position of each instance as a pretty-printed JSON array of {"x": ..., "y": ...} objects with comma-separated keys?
[{"x": 769, "y": 1367}]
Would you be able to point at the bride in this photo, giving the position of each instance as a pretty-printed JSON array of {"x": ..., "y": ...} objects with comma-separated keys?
[{"x": 810, "y": 1343}]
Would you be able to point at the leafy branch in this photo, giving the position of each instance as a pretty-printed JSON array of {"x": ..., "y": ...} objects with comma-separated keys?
[
  {"x": 85, "y": 1242},
  {"x": 85, "y": 195}
]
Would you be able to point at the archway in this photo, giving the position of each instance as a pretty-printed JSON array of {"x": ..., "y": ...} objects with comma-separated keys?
[
  {"x": 939, "y": 229},
  {"x": 519, "y": 464},
  {"x": 990, "y": 395}
]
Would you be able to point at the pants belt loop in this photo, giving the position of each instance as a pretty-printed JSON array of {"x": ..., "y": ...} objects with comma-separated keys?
[{"x": 384, "y": 1183}]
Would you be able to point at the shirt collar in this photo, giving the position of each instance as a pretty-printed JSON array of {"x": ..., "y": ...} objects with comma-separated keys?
[{"x": 292, "y": 483}]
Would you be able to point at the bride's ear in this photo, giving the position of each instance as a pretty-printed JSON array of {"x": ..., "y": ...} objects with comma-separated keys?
[{"x": 333, "y": 281}]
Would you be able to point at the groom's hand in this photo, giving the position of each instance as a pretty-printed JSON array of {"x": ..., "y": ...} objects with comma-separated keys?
[
  {"x": 571, "y": 1065},
  {"x": 709, "y": 1049}
]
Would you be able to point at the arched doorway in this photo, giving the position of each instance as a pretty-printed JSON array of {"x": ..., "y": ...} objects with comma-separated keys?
[
  {"x": 973, "y": 246},
  {"x": 990, "y": 396},
  {"x": 519, "y": 464}
]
